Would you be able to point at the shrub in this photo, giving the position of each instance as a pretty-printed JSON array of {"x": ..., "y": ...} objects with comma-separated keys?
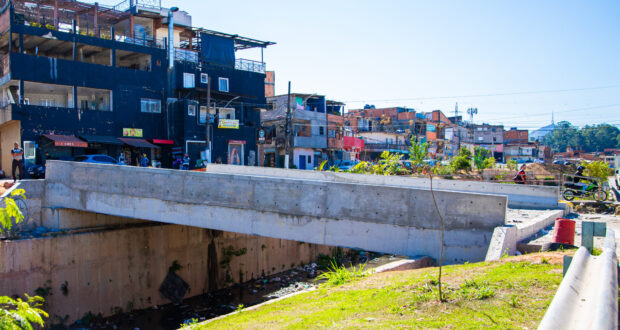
[
  {"x": 338, "y": 275},
  {"x": 488, "y": 163},
  {"x": 461, "y": 163},
  {"x": 598, "y": 169},
  {"x": 512, "y": 165}
]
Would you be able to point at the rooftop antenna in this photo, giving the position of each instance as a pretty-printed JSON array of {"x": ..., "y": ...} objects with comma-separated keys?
[
  {"x": 456, "y": 110},
  {"x": 472, "y": 112},
  {"x": 552, "y": 121}
]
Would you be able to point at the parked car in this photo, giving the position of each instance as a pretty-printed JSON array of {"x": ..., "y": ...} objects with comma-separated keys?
[
  {"x": 36, "y": 171},
  {"x": 345, "y": 165},
  {"x": 97, "y": 159}
]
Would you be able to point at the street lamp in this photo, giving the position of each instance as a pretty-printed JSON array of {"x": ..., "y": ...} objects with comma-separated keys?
[{"x": 171, "y": 36}]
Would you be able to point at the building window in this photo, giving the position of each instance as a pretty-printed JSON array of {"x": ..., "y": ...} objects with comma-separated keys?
[
  {"x": 226, "y": 113},
  {"x": 223, "y": 84},
  {"x": 150, "y": 105},
  {"x": 309, "y": 159},
  {"x": 204, "y": 78},
  {"x": 94, "y": 99},
  {"x": 321, "y": 130},
  {"x": 191, "y": 109},
  {"x": 48, "y": 102},
  {"x": 188, "y": 80},
  {"x": 203, "y": 115}
]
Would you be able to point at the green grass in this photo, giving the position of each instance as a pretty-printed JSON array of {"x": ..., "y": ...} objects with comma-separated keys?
[{"x": 511, "y": 293}]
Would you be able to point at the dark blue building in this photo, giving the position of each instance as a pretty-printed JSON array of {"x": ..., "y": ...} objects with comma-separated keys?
[{"x": 79, "y": 78}]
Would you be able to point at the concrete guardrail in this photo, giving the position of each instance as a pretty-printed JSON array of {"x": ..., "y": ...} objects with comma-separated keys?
[{"x": 588, "y": 296}]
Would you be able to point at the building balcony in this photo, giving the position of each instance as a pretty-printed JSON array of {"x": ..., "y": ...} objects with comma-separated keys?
[
  {"x": 311, "y": 142},
  {"x": 249, "y": 65},
  {"x": 333, "y": 143},
  {"x": 380, "y": 147}
]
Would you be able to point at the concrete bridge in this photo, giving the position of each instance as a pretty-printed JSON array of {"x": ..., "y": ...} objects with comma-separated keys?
[{"x": 370, "y": 216}]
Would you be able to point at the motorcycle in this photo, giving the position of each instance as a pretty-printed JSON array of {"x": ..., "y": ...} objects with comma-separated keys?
[{"x": 593, "y": 190}]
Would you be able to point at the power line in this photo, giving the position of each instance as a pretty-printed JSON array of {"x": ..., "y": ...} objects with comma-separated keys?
[{"x": 550, "y": 91}]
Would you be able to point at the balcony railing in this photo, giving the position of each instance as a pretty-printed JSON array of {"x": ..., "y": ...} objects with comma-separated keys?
[
  {"x": 386, "y": 146},
  {"x": 250, "y": 65},
  {"x": 185, "y": 55}
]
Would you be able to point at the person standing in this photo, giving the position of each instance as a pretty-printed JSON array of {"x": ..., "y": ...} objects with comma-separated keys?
[
  {"x": 121, "y": 159},
  {"x": 186, "y": 162},
  {"x": 18, "y": 161},
  {"x": 144, "y": 162}
]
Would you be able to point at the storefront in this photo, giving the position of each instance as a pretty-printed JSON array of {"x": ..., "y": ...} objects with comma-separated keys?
[
  {"x": 235, "y": 152},
  {"x": 133, "y": 150},
  {"x": 63, "y": 147},
  {"x": 163, "y": 155},
  {"x": 102, "y": 145}
]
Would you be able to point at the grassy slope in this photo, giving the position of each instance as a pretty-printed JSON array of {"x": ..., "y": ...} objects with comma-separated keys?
[{"x": 511, "y": 293}]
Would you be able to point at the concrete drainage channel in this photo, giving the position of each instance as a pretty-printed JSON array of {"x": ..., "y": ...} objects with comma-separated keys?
[
  {"x": 588, "y": 296},
  {"x": 397, "y": 265}
]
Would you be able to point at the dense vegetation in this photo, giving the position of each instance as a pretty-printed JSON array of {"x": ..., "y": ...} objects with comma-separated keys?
[{"x": 589, "y": 138}]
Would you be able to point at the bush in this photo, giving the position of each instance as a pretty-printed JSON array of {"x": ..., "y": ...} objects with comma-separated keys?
[
  {"x": 442, "y": 170},
  {"x": 488, "y": 163},
  {"x": 512, "y": 165},
  {"x": 19, "y": 314},
  {"x": 461, "y": 163},
  {"x": 338, "y": 275},
  {"x": 598, "y": 169}
]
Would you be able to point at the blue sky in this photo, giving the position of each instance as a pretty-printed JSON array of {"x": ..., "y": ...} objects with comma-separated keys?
[{"x": 431, "y": 54}]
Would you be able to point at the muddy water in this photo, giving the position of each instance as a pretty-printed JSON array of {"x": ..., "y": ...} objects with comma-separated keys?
[{"x": 222, "y": 301}]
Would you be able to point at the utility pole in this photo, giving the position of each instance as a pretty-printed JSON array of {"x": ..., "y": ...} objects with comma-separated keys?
[
  {"x": 207, "y": 119},
  {"x": 287, "y": 142}
]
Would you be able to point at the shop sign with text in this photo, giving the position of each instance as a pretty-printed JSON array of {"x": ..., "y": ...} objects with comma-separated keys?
[
  {"x": 228, "y": 123},
  {"x": 132, "y": 132}
]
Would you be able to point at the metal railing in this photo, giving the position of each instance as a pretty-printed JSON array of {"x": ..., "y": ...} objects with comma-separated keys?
[
  {"x": 588, "y": 295},
  {"x": 249, "y": 65},
  {"x": 185, "y": 55}
]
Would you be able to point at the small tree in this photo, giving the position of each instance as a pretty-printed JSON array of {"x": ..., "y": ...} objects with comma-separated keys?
[
  {"x": 488, "y": 163},
  {"x": 480, "y": 154},
  {"x": 598, "y": 169},
  {"x": 417, "y": 152},
  {"x": 20, "y": 314},
  {"x": 512, "y": 164},
  {"x": 16, "y": 313}
]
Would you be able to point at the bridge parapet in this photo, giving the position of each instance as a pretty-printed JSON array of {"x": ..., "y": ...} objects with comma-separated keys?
[{"x": 375, "y": 217}]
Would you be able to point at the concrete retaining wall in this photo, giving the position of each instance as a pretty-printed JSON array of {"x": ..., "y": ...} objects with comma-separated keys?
[
  {"x": 103, "y": 271},
  {"x": 506, "y": 238},
  {"x": 382, "y": 218},
  {"x": 519, "y": 196}
]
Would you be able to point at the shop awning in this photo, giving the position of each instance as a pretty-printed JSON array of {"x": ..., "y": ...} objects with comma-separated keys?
[
  {"x": 140, "y": 143},
  {"x": 160, "y": 141},
  {"x": 66, "y": 140},
  {"x": 101, "y": 139}
]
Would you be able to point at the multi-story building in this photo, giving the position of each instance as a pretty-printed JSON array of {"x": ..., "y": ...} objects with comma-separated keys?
[
  {"x": 81, "y": 78},
  {"x": 335, "y": 130},
  {"x": 518, "y": 147},
  {"x": 490, "y": 137},
  {"x": 308, "y": 135}
]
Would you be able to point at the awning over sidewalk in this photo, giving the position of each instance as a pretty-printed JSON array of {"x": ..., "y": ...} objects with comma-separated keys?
[
  {"x": 66, "y": 141},
  {"x": 161, "y": 141},
  {"x": 139, "y": 143},
  {"x": 101, "y": 139}
]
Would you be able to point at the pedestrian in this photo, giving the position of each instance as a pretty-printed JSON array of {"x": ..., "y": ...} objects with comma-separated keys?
[
  {"x": 521, "y": 177},
  {"x": 144, "y": 162},
  {"x": 18, "y": 161},
  {"x": 121, "y": 159},
  {"x": 186, "y": 162}
]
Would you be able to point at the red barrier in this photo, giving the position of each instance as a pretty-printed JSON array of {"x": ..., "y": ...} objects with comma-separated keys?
[{"x": 564, "y": 231}]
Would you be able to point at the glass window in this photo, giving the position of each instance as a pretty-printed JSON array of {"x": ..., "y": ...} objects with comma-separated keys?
[
  {"x": 94, "y": 99},
  {"x": 204, "y": 78},
  {"x": 29, "y": 149},
  {"x": 321, "y": 130},
  {"x": 188, "y": 80},
  {"x": 150, "y": 105},
  {"x": 226, "y": 113},
  {"x": 223, "y": 86},
  {"x": 191, "y": 109},
  {"x": 203, "y": 114}
]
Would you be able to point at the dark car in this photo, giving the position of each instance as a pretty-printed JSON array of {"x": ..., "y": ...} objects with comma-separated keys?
[
  {"x": 97, "y": 159},
  {"x": 36, "y": 171}
]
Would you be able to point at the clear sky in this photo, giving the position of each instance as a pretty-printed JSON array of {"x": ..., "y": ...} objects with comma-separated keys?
[{"x": 431, "y": 54}]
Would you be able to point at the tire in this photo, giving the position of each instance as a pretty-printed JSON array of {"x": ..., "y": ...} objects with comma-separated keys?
[
  {"x": 600, "y": 195},
  {"x": 568, "y": 195}
]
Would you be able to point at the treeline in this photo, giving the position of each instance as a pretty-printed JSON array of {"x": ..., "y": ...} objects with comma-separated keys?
[{"x": 594, "y": 138}]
